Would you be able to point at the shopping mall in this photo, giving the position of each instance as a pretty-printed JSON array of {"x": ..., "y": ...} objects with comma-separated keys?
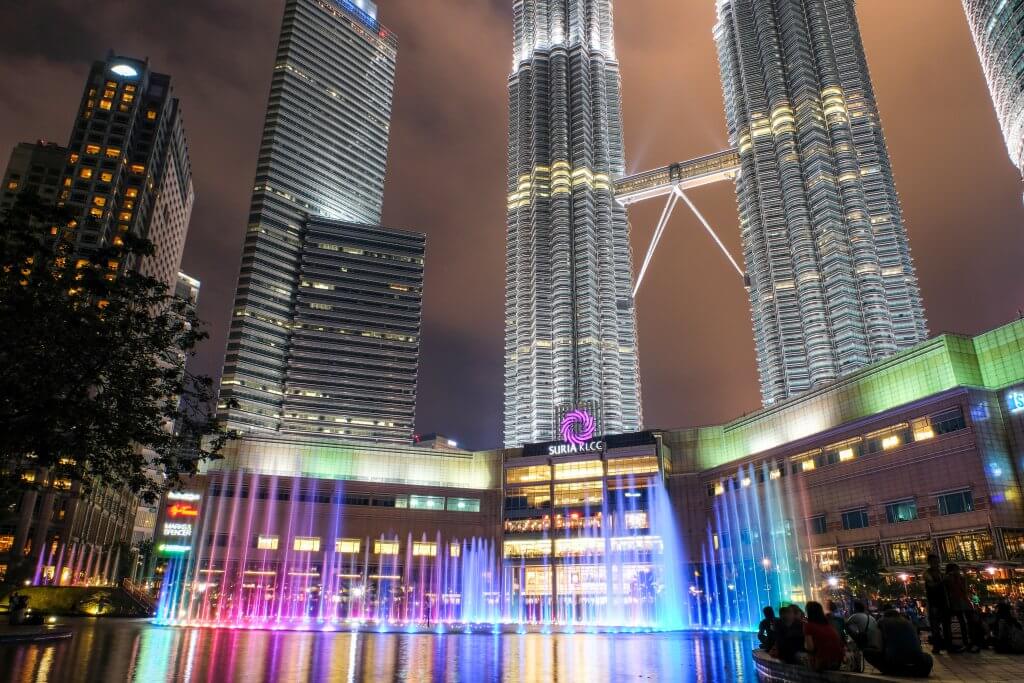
[{"x": 694, "y": 527}]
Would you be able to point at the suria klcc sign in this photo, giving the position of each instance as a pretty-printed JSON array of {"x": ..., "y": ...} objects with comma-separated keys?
[{"x": 578, "y": 429}]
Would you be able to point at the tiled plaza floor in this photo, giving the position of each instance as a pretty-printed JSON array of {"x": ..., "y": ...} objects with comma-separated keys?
[{"x": 984, "y": 667}]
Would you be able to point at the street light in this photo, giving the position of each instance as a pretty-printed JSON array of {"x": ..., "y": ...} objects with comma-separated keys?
[{"x": 905, "y": 578}]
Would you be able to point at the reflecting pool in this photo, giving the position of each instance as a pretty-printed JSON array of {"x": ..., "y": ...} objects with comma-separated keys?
[{"x": 135, "y": 650}]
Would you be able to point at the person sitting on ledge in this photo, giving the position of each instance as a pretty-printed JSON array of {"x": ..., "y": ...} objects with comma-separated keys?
[
  {"x": 863, "y": 629},
  {"x": 901, "y": 653},
  {"x": 1008, "y": 634},
  {"x": 766, "y": 629},
  {"x": 789, "y": 637},
  {"x": 821, "y": 640}
]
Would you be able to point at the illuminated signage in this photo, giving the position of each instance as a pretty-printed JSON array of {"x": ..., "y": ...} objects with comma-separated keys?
[
  {"x": 578, "y": 428},
  {"x": 177, "y": 529},
  {"x": 1015, "y": 401},
  {"x": 183, "y": 495},
  {"x": 173, "y": 549},
  {"x": 182, "y": 510}
]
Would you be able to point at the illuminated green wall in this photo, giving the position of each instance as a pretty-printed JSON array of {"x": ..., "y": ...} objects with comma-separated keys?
[{"x": 993, "y": 360}]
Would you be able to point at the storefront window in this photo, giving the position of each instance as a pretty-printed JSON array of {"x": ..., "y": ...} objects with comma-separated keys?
[
  {"x": 586, "y": 469},
  {"x": 640, "y": 465},
  {"x": 967, "y": 547},
  {"x": 526, "y": 475},
  {"x": 463, "y": 505},
  {"x": 426, "y": 502}
]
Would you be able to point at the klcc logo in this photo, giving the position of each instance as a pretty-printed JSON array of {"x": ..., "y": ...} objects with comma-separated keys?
[{"x": 578, "y": 428}]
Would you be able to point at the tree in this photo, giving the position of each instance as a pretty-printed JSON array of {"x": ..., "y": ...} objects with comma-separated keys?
[
  {"x": 864, "y": 574},
  {"x": 93, "y": 359}
]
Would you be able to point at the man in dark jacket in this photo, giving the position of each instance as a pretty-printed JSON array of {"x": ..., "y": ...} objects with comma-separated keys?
[{"x": 766, "y": 629}]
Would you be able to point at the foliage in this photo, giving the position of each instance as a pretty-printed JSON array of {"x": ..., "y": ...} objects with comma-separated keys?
[
  {"x": 93, "y": 358},
  {"x": 864, "y": 574}
]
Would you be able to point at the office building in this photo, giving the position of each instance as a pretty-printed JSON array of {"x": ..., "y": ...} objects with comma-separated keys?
[
  {"x": 570, "y": 324},
  {"x": 832, "y": 285},
  {"x": 35, "y": 168},
  {"x": 998, "y": 30},
  {"x": 128, "y": 168},
  {"x": 320, "y": 174}
]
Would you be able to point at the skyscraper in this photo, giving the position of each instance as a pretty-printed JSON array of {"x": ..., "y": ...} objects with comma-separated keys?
[
  {"x": 34, "y": 167},
  {"x": 570, "y": 325},
  {"x": 831, "y": 281},
  {"x": 325, "y": 332},
  {"x": 998, "y": 30},
  {"x": 128, "y": 168}
]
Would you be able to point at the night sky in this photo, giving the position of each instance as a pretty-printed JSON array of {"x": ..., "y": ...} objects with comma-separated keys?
[{"x": 961, "y": 194}]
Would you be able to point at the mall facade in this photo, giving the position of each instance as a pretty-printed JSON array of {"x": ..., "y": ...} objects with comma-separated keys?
[{"x": 919, "y": 453}]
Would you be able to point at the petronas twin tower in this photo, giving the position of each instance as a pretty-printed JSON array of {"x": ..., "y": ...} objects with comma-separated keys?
[
  {"x": 570, "y": 326},
  {"x": 832, "y": 282}
]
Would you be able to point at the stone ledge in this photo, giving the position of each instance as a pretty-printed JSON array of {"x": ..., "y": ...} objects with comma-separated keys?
[{"x": 771, "y": 670}]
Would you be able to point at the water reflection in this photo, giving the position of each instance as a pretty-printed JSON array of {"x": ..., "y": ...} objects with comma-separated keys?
[{"x": 137, "y": 651}]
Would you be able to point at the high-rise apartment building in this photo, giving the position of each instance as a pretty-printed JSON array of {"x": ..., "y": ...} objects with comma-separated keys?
[
  {"x": 324, "y": 338},
  {"x": 998, "y": 30},
  {"x": 832, "y": 283},
  {"x": 34, "y": 167},
  {"x": 570, "y": 325},
  {"x": 128, "y": 168}
]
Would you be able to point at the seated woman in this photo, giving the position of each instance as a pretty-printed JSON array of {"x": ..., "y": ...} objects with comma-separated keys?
[
  {"x": 901, "y": 653},
  {"x": 821, "y": 640}
]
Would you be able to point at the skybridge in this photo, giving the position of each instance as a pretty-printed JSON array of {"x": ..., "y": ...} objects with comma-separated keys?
[{"x": 674, "y": 180}]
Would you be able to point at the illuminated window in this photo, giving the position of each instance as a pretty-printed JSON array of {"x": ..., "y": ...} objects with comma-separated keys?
[
  {"x": 636, "y": 520},
  {"x": 967, "y": 547},
  {"x": 527, "y": 497},
  {"x": 579, "y": 470},
  {"x": 126, "y": 98},
  {"x": 85, "y": 173},
  {"x": 464, "y": 504},
  {"x": 424, "y": 549},
  {"x": 62, "y": 484},
  {"x": 909, "y": 553},
  {"x": 73, "y": 159},
  {"x": 131, "y": 192},
  {"x": 99, "y": 201},
  {"x": 807, "y": 465},
  {"x": 266, "y": 542},
  {"x": 307, "y": 544},
  {"x": 347, "y": 546},
  {"x": 385, "y": 547},
  {"x": 527, "y": 549},
  {"x": 922, "y": 428},
  {"x": 138, "y": 168},
  {"x": 890, "y": 442},
  {"x": 454, "y": 549},
  {"x": 109, "y": 92},
  {"x": 129, "y": 88},
  {"x": 901, "y": 511},
  {"x": 96, "y": 213},
  {"x": 92, "y": 149},
  {"x": 151, "y": 115},
  {"x": 124, "y": 216},
  {"x": 106, "y": 176},
  {"x": 105, "y": 105},
  {"x": 426, "y": 502},
  {"x": 524, "y": 475},
  {"x": 113, "y": 153},
  {"x": 719, "y": 488},
  {"x": 13, "y": 185},
  {"x": 6, "y": 543},
  {"x": 579, "y": 493},
  {"x": 641, "y": 465}
]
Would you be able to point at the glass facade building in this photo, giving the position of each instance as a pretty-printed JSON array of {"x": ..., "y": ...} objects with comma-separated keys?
[
  {"x": 325, "y": 329},
  {"x": 832, "y": 285},
  {"x": 998, "y": 30},
  {"x": 570, "y": 327}
]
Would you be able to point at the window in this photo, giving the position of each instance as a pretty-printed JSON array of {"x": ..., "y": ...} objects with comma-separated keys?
[
  {"x": 527, "y": 549},
  {"x": 949, "y": 421},
  {"x": 347, "y": 546},
  {"x": 385, "y": 547},
  {"x": 424, "y": 549},
  {"x": 138, "y": 168},
  {"x": 640, "y": 465},
  {"x": 454, "y": 549},
  {"x": 92, "y": 149},
  {"x": 579, "y": 493},
  {"x": 819, "y": 525},
  {"x": 579, "y": 470},
  {"x": 266, "y": 542},
  {"x": 967, "y": 547},
  {"x": 113, "y": 153},
  {"x": 922, "y": 428},
  {"x": 527, "y": 498},
  {"x": 99, "y": 201},
  {"x": 151, "y": 115},
  {"x": 106, "y": 176},
  {"x": 85, "y": 173},
  {"x": 131, "y": 192},
  {"x": 105, "y": 104},
  {"x": 956, "y": 503},
  {"x": 426, "y": 502},
  {"x": 1013, "y": 541},
  {"x": 909, "y": 553},
  {"x": 464, "y": 505},
  {"x": 901, "y": 511},
  {"x": 307, "y": 544},
  {"x": 6, "y": 543},
  {"x": 855, "y": 519}
]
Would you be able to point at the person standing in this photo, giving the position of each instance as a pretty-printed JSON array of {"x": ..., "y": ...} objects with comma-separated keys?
[
  {"x": 959, "y": 604},
  {"x": 938, "y": 604}
]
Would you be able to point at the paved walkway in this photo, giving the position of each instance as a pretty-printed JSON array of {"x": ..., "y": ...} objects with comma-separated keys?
[{"x": 984, "y": 667}]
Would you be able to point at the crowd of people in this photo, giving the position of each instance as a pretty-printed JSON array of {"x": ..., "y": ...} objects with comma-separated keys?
[{"x": 890, "y": 639}]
